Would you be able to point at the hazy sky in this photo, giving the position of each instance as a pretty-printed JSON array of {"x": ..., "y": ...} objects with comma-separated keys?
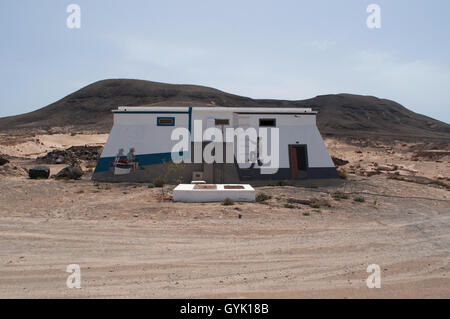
[{"x": 262, "y": 49}]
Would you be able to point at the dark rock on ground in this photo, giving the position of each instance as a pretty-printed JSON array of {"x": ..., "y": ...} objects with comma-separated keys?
[
  {"x": 3, "y": 161},
  {"x": 39, "y": 172},
  {"x": 389, "y": 167},
  {"x": 339, "y": 162},
  {"x": 69, "y": 172},
  {"x": 72, "y": 155},
  {"x": 430, "y": 155}
]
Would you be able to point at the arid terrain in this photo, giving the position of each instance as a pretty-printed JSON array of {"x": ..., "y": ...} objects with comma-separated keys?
[
  {"x": 340, "y": 115},
  {"x": 393, "y": 209}
]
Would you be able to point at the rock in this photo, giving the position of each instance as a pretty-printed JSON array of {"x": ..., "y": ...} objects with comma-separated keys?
[
  {"x": 430, "y": 155},
  {"x": 338, "y": 161},
  {"x": 370, "y": 173},
  {"x": 72, "y": 155},
  {"x": 3, "y": 161},
  {"x": 69, "y": 172},
  {"x": 39, "y": 172},
  {"x": 360, "y": 172},
  {"x": 60, "y": 160},
  {"x": 388, "y": 168}
]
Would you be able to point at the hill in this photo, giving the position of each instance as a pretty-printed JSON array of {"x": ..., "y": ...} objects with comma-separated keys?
[{"x": 339, "y": 115}]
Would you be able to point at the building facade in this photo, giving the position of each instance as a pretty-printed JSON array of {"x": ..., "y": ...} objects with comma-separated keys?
[{"x": 144, "y": 140}]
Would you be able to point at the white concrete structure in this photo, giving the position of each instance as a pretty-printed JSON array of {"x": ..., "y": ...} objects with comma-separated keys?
[
  {"x": 198, "y": 193},
  {"x": 139, "y": 146}
]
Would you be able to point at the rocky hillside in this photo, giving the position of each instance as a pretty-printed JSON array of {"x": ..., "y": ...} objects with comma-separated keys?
[{"x": 339, "y": 115}]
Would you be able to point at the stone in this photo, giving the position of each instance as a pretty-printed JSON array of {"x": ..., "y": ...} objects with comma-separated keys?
[
  {"x": 69, "y": 172},
  {"x": 3, "y": 161},
  {"x": 339, "y": 162},
  {"x": 388, "y": 168},
  {"x": 39, "y": 172},
  {"x": 72, "y": 156},
  {"x": 369, "y": 173}
]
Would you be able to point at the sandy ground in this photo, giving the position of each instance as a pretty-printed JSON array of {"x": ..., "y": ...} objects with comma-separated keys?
[
  {"x": 32, "y": 147},
  {"x": 388, "y": 155},
  {"x": 129, "y": 243}
]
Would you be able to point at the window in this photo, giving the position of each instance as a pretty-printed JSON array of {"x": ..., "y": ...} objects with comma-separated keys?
[
  {"x": 166, "y": 121},
  {"x": 222, "y": 122},
  {"x": 267, "y": 122}
]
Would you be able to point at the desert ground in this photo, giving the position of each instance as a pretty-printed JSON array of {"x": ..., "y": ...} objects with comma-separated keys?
[{"x": 130, "y": 241}]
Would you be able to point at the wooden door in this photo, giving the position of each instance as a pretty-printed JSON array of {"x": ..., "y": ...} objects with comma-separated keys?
[{"x": 294, "y": 162}]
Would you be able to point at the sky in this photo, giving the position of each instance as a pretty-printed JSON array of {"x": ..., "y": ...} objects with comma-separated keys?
[{"x": 281, "y": 49}]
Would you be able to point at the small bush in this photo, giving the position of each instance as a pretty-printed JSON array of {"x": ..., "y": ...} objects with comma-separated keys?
[
  {"x": 283, "y": 183},
  {"x": 159, "y": 182},
  {"x": 342, "y": 174},
  {"x": 289, "y": 206},
  {"x": 359, "y": 199},
  {"x": 306, "y": 214},
  {"x": 151, "y": 185},
  {"x": 339, "y": 196},
  {"x": 319, "y": 203},
  {"x": 228, "y": 202},
  {"x": 261, "y": 197}
]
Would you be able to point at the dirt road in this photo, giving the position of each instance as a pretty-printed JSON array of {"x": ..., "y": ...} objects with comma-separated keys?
[{"x": 130, "y": 244}]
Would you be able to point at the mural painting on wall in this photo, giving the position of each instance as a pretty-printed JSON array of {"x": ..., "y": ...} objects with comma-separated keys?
[{"x": 124, "y": 164}]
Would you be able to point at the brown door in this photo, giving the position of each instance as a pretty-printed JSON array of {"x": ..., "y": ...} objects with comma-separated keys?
[
  {"x": 294, "y": 164},
  {"x": 299, "y": 160}
]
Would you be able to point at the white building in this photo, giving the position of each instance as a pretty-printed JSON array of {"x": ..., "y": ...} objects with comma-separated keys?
[{"x": 139, "y": 147}]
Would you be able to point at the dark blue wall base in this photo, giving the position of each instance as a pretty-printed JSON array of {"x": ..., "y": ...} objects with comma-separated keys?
[
  {"x": 322, "y": 172},
  {"x": 286, "y": 174},
  {"x": 151, "y": 166}
]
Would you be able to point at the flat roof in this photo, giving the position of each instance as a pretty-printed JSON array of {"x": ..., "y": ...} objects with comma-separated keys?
[{"x": 183, "y": 109}]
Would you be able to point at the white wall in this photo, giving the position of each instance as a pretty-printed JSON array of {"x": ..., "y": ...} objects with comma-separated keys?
[
  {"x": 141, "y": 132},
  {"x": 294, "y": 129},
  {"x": 318, "y": 155}
]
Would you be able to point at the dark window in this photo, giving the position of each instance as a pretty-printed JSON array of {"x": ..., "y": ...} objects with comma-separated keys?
[
  {"x": 222, "y": 122},
  {"x": 166, "y": 121},
  {"x": 267, "y": 122}
]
